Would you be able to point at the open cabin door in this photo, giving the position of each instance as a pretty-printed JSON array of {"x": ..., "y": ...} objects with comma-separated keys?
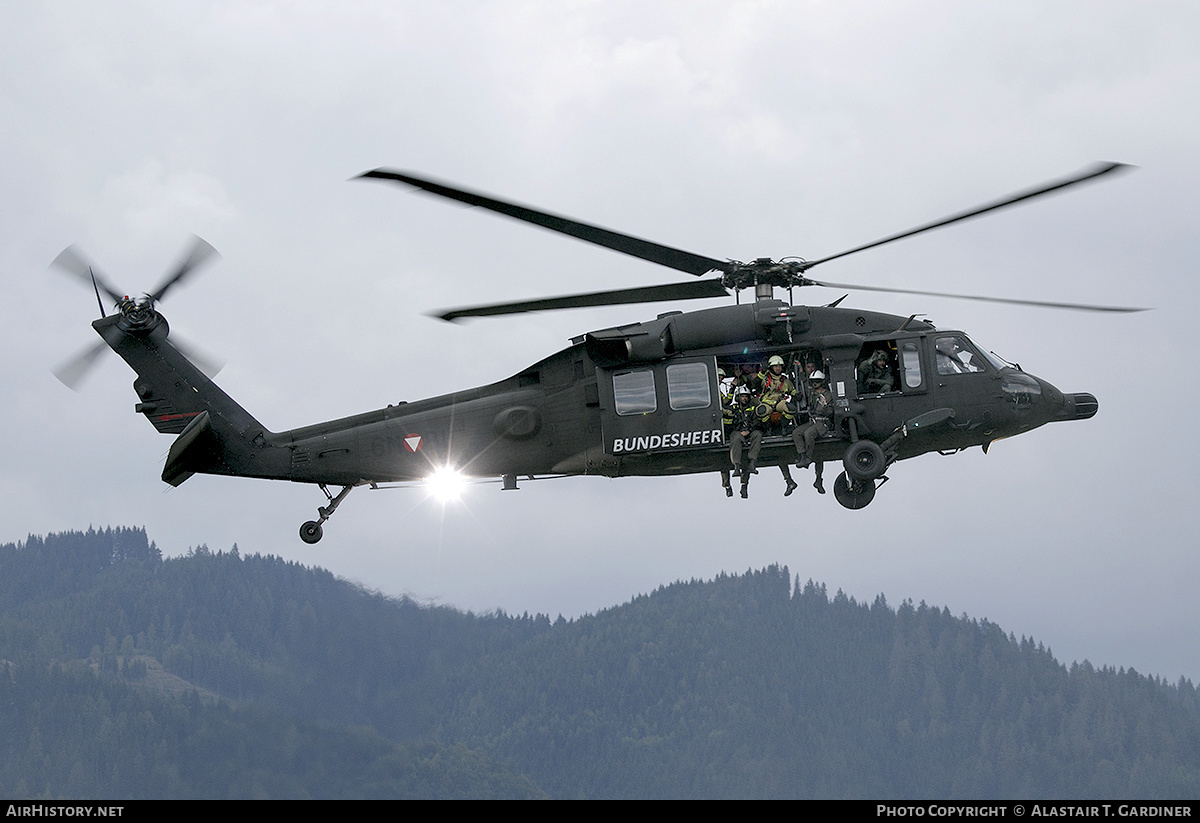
[{"x": 666, "y": 406}]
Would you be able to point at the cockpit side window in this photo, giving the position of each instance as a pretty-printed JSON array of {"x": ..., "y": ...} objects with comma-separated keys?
[{"x": 955, "y": 356}]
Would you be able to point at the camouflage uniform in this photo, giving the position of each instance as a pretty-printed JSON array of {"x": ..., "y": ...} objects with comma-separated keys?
[
  {"x": 875, "y": 375},
  {"x": 745, "y": 420},
  {"x": 820, "y": 411}
]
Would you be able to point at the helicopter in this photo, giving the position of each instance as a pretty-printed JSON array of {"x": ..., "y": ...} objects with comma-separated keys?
[{"x": 642, "y": 399}]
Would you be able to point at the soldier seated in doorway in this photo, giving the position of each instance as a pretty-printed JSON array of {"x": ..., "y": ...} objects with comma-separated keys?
[
  {"x": 775, "y": 405},
  {"x": 750, "y": 379},
  {"x": 875, "y": 375},
  {"x": 746, "y": 440},
  {"x": 726, "y": 386},
  {"x": 820, "y": 413}
]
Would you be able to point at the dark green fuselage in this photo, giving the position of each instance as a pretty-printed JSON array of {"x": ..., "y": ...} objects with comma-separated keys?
[{"x": 563, "y": 415}]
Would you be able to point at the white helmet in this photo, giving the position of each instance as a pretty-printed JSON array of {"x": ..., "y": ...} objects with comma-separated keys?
[{"x": 817, "y": 377}]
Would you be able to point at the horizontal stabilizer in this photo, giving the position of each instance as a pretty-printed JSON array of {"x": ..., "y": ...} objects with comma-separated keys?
[{"x": 195, "y": 449}]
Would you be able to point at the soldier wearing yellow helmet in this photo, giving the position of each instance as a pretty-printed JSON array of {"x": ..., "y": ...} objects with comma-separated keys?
[{"x": 777, "y": 391}]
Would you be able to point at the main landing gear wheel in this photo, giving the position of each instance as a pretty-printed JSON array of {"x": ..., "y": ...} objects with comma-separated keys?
[
  {"x": 311, "y": 532},
  {"x": 853, "y": 494},
  {"x": 864, "y": 460}
]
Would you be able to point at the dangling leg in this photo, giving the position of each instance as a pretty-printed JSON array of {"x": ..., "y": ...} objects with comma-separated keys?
[
  {"x": 725, "y": 483},
  {"x": 790, "y": 484},
  {"x": 819, "y": 470},
  {"x": 800, "y": 441},
  {"x": 756, "y": 438}
]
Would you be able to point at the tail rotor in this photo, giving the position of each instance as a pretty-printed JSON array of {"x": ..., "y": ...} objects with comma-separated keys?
[{"x": 137, "y": 311}]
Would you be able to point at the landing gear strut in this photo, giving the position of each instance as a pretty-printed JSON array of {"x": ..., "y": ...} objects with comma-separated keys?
[{"x": 311, "y": 531}]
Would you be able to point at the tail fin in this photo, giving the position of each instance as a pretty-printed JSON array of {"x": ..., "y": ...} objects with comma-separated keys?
[{"x": 217, "y": 436}]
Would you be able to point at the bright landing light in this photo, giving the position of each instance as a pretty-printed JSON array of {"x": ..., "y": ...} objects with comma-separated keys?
[{"x": 446, "y": 484}]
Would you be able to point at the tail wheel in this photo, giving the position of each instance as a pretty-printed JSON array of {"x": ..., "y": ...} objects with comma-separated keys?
[
  {"x": 311, "y": 532},
  {"x": 864, "y": 460},
  {"x": 853, "y": 494}
]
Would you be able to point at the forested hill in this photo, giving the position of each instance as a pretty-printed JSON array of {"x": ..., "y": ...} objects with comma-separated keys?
[{"x": 218, "y": 674}]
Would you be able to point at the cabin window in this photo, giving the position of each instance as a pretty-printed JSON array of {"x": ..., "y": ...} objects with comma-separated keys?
[
  {"x": 633, "y": 392},
  {"x": 687, "y": 386},
  {"x": 954, "y": 356},
  {"x": 876, "y": 369},
  {"x": 910, "y": 362}
]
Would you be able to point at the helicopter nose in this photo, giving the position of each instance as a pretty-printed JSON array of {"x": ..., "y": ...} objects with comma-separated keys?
[{"x": 1078, "y": 406}]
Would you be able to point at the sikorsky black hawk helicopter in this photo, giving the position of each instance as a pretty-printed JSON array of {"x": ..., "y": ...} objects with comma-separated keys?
[{"x": 635, "y": 400}]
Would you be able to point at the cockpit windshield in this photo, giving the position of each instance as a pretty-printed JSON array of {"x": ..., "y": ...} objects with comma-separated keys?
[
  {"x": 955, "y": 355},
  {"x": 997, "y": 361}
]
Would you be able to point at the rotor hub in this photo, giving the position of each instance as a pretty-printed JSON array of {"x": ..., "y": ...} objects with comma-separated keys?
[
  {"x": 764, "y": 272},
  {"x": 137, "y": 314}
]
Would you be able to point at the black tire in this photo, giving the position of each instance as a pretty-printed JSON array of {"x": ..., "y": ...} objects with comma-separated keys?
[
  {"x": 853, "y": 494},
  {"x": 311, "y": 532},
  {"x": 864, "y": 460}
]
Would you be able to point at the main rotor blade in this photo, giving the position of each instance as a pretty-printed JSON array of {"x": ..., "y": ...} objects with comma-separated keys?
[
  {"x": 201, "y": 251},
  {"x": 72, "y": 261},
  {"x": 1042, "y": 303},
  {"x": 72, "y": 372},
  {"x": 1091, "y": 173},
  {"x": 646, "y": 294},
  {"x": 677, "y": 259}
]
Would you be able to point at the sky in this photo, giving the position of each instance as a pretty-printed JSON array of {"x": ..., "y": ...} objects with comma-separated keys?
[{"x": 734, "y": 130}]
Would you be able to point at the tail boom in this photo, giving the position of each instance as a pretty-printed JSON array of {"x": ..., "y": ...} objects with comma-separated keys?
[{"x": 215, "y": 434}]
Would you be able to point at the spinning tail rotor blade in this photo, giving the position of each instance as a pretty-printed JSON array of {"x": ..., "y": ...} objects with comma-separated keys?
[
  {"x": 72, "y": 261},
  {"x": 200, "y": 253},
  {"x": 73, "y": 372},
  {"x": 204, "y": 362}
]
